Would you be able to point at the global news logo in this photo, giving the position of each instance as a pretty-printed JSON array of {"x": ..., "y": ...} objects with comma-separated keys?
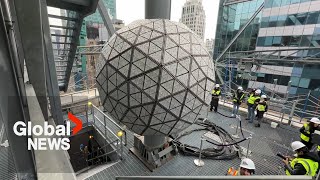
[{"x": 46, "y": 136}]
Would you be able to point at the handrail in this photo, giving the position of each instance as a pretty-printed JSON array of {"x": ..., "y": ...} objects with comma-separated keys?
[
  {"x": 257, "y": 177},
  {"x": 108, "y": 117},
  {"x": 106, "y": 128},
  {"x": 101, "y": 155},
  {"x": 101, "y": 148},
  {"x": 113, "y": 122}
]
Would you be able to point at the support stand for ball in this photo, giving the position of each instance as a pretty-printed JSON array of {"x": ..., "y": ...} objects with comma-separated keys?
[
  {"x": 236, "y": 135},
  {"x": 199, "y": 162},
  {"x": 153, "y": 151}
]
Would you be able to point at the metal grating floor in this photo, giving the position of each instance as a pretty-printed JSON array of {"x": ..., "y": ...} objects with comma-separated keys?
[
  {"x": 7, "y": 166},
  {"x": 265, "y": 144}
]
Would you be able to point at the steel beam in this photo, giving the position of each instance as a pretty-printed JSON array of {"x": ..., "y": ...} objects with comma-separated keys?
[
  {"x": 52, "y": 82},
  {"x": 61, "y": 35},
  {"x": 30, "y": 24},
  {"x": 157, "y": 9},
  {"x": 62, "y": 17},
  {"x": 72, "y": 52},
  {"x": 61, "y": 43},
  {"x": 62, "y": 27},
  {"x": 236, "y": 37},
  {"x": 11, "y": 107},
  {"x": 106, "y": 18},
  {"x": 277, "y": 50}
]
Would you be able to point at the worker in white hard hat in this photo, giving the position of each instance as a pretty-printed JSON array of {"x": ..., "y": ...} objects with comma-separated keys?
[
  {"x": 238, "y": 97},
  {"x": 307, "y": 129},
  {"x": 306, "y": 162},
  {"x": 247, "y": 168},
  {"x": 261, "y": 108},
  {"x": 252, "y": 103},
  {"x": 216, "y": 93}
]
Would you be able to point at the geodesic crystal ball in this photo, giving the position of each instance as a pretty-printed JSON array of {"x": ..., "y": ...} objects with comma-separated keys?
[{"x": 155, "y": 77}]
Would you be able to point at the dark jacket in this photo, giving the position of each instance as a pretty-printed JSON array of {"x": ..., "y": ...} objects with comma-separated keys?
[
  {"x": 237, "y": 96},
  {"x": 298, "y": 168}
]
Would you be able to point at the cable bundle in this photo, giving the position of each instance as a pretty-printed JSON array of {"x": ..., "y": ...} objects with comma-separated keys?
[{"x": 228, "y": 149}]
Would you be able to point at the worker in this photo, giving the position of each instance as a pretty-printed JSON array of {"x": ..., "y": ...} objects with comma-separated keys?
[
  {"x": 307, "y": 129},
  {"x": 237, "y": 99},
  {"x": 306, "y": 162},
  {"x": 247, "y": 168},
  {"x": 216, "y": 93},
  {"x": 252, "y": 102},
  {"x": 261, "y": 108}
]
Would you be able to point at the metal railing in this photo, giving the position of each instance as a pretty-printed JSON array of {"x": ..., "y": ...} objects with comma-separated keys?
[
  {"x": 103, "y": 121},
  {"x": 113, "y": 142},
  {"x": 216, "y": 177},
  {"x": 74, "y": 96}
]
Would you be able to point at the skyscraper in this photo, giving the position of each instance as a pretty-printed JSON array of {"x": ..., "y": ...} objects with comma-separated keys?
[
  {"x": 194, "y": 17},
  {"x": 281, "y": 24}
]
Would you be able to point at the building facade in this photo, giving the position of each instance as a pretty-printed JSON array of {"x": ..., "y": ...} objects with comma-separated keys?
[
  {"x": 282, "y": 24},
  {"x": 209, "y": 44},
  {"x": 193, "y": 16}
]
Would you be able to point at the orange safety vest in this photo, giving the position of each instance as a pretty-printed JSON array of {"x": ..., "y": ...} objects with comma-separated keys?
[{"x": 232, "y": 172}]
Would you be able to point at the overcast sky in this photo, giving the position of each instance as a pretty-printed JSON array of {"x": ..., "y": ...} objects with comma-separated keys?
[{"x": 130, "y": 10}]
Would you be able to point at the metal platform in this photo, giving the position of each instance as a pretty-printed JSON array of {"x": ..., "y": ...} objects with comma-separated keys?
[{"x": 265, "y": 144}]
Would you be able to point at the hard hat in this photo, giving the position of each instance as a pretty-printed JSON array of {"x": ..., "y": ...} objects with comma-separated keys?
[
  {"x": 247, "y": 163},
  {"x": 297, "y": 145},
  {"x": 240, "y": 88},
  {"x": 258, "y": 91},
  {"x": 315, "y": 120},
  {"x": 264, "y": 96},
  {"x": 217, "y": 85}
]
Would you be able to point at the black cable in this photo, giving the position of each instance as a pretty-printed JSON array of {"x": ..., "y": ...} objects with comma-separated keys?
[
  {"x": 225, "y": 115},
  {"x": 227, "y": 150}
]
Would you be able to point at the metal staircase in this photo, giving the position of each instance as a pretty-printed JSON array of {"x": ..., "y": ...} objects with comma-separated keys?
[{"x": 65, "y": 27}]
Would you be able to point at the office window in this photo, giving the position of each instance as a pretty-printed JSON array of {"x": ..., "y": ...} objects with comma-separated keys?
[
  {"x": 285, "y": 2},
  {"x": 265, "y": 22},
  {"x": 295, "y": 81},
  {"x": 301, "y": 18},
  {"x": 295, "y": 41},
  {"x": 261, "y": 41},
  {"x": 273, "y": 21},
  {"x": 314, "y": 84},
  {"x": 295, "y": 1},
  {"x": 268, "y": 41},
  {"x": 268, "y": 3},
  {"x": 276, "y": 41},
  {"x": 304, "y": 83},
  {"x": 305, "y": 41},
  {"x": 276, "y": 3},
  {"x": 281, "y": 20},
  {"x": 313, "y": 18},
  {"x": 290, "y": 21},
  {"x": 285, "y": 40}
]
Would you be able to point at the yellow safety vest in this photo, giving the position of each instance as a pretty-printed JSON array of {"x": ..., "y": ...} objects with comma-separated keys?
[
  {"x": 261, "y": 107},
  {"x": 307, "y": 130},
  {"x": 235, "y": 99},
  {"x": 310, "y": 166},
  {"x": 253, "y": 98},
  {"x": 216, "y": 93},
  {"x": 232, "y": 172}
]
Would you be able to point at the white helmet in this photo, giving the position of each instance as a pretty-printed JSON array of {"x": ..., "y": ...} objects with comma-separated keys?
[
  {"x": 240, "y": 88},
  {"x": 247, "y": 163},
  {"x": 297, "y": 145},
  {"x": 258, "y": 91},
  {"x": 315, "y": 120},
  {"x": 264, "y": 96},
  {"x": 217, "y": 86}
]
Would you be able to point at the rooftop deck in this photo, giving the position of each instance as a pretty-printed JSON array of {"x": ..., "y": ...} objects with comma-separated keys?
[{"x": 265, "y": 144}]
